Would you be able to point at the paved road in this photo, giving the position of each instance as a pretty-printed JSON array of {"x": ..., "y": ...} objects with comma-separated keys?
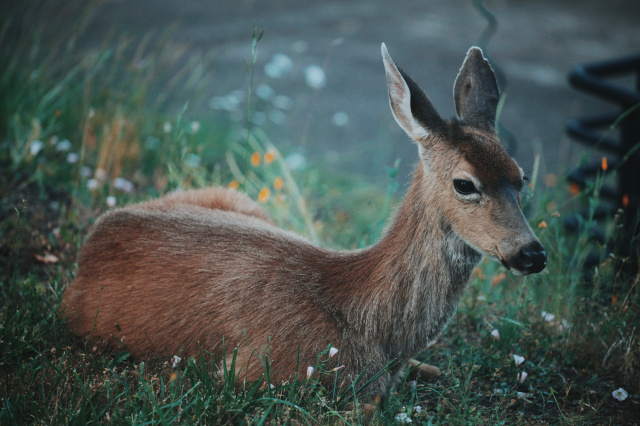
[{"x": 347, "y": 122}]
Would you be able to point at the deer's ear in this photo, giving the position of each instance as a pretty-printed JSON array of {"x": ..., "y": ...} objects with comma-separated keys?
[
  {"x": 475, "y": 91},
  {"x": 410, "y": 106}
]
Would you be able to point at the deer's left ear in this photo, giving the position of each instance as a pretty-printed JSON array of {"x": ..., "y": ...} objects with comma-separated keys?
[
  {"x": 410, "y": 106},
  {"x": 475, "y": 91}
]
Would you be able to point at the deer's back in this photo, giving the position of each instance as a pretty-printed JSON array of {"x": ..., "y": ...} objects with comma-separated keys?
[{"x": 172, "y": 276}]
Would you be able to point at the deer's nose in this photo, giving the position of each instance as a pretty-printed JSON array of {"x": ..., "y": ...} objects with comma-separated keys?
[{"x": 531, "y": 258}]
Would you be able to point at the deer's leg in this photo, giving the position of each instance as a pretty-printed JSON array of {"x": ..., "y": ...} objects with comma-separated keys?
[{"x": 426, "y": 372}]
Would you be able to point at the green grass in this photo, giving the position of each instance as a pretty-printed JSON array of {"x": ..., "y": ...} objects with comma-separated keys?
[{"x": 119, "y": 128}]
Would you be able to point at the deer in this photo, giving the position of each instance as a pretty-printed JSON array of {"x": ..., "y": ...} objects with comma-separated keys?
[{"x": 186, "y": 272}]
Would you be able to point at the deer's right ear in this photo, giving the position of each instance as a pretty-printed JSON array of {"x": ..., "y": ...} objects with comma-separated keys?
[{"x": 410, "y": 106}]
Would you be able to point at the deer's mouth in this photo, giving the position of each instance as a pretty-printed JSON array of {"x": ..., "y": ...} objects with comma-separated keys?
[
  {"x": 511, "y": 268},
  {"x": 508, "y": 265},
  {"x": 504, "y": 263}
]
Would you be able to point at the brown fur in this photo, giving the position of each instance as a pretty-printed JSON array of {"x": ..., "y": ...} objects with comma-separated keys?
[{"x": 179, "y": 274}]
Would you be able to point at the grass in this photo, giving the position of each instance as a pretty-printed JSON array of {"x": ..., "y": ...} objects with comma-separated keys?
[{"x": 75, "y": 137}]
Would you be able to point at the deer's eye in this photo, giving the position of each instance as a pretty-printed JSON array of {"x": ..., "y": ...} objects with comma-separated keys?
[{"x": 464, "y": 187}]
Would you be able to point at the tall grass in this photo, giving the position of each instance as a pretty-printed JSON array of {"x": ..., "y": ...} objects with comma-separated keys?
[{"x": 80, "y": 134}]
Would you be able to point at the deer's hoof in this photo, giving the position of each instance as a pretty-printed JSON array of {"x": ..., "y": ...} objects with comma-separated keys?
[{"x": 425, "y": 372}]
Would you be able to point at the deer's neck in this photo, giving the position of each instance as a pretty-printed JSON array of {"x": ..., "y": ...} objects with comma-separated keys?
[{"x": 402, "y": 291}]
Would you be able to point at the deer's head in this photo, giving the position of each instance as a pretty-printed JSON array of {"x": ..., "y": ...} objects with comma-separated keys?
[{"x": 471, "y": 180}]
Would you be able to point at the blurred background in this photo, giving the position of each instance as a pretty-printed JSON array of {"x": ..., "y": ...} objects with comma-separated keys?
[{"x": 318, "y": 80}]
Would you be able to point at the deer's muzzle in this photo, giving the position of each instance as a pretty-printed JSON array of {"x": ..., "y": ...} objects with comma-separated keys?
[{"x": 530, "y": 259}]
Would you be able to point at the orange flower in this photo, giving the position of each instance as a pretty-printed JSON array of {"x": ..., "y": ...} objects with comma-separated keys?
[
  {"x": 173, "y": 376},
  {"x": 477, "y": 272},
  {"x": 269, "y": 157},
  {"x": 604, "y": 163},
  {"x": 58, "y": 113},
  {"x": 255, "y": 159},
  {"x": 574, "y": 188},
  {"x": 625, "y": 200},
  {"x": 542, "y": 224},
  {"x": 278, "y": 183},
  {"x": 264, "y": 194},
  {"x": 498, "y": 279},
  {"x": 234, "y": 184}
]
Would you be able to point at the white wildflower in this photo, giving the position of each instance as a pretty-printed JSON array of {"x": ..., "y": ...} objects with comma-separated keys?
[
  {"x": 63, "y": 145},
  {"x": 315, "y": 77},
  {"x": 195, "y": 126},
  {"x": 85, "y": 171},
  {"x": 265, "y": 92},
  {"x": 522, "y": 376},
  {"x": 101, "y": 175},
  {"x": 332, "y": 352},
  {"x": 35, "y": 147},
  {"x": 547, "y": 316},
  {"x": 111, "y": 201},
  {"x": 283, "y": 61},
  {"x": 340, "y": 119},
  {"x": 620, "y": 394},
  {"x": 417, "y": 409},
  {"x": 310, "y": 371},
  {"x": 176, "y": 361},
  {"x": 123, "y": 184},
  {"x": 283, "y": 102},
  {"x": 93, "y": 184},
  {"x": 296, "y": 161},
  {"x": 279, "y": 65},
  {"x": 273, "y": 70},
  {"x": 233, "y": 100},
  {"x": 403, "y": 418},
  {"x": 518, "y": 359},
  {"x": 192, "y": 160},
  {"x": 167, "y": 127},
  {"x": 72, "y": 158},
  {"x": 495, "y": 334},
  {"x": 272, "y": 386}
]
